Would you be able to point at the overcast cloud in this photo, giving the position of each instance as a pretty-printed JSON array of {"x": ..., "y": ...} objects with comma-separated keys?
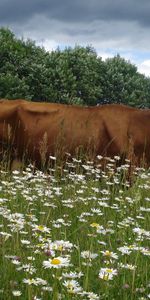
[{"x": 110, "y": 26}]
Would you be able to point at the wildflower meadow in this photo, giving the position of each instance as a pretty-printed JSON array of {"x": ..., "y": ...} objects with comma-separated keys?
[{"x": 75, "y": 232}]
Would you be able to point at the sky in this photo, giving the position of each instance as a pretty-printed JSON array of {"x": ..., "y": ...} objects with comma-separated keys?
[{"x": 111, "y": 26}]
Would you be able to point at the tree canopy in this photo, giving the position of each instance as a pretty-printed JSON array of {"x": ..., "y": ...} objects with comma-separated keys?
[{"x": 73, "y": 75}]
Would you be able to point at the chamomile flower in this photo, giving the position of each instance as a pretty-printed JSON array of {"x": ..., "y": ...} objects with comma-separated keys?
[
  {"x": 56, "y": 262},
  {"x": 61, "y": 245},
  {"x": 96, "y": 225},
  {"x": 125, "y": 250},
  {"x": 88, "y": 255},
  {"x": 35, "y": 281},
  {"x": 72, "y": 286},
  {"x": 29, "y": 281},
  {"x": 72, "y": 275},
  {"x": 92, "y": 296},
  {"x": 109, "y": 254},
  {"x": 16, "y": 293},
  {"x": 107, "y": 274},
  {"x": 145, "y": 251},
  {"x": 25, "y": 242},
  {"x": 127, "y": 266},
  {"x": 41, "y": 228}
]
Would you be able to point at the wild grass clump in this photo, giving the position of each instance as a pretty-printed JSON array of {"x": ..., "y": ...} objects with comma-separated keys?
[{"x": 75, "y": 233}]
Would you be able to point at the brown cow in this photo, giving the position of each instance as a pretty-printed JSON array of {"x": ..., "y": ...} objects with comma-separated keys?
[{"x": 40, "y": 130}]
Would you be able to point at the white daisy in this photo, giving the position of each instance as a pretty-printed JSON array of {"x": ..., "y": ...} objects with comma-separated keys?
[
  {"x": 16, "y": 293},
  {"x": 56, "y": 262},
  {"x": 107, "y": 274}
]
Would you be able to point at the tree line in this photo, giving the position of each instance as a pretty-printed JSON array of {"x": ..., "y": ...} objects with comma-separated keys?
[{"x": 73, "y": 75}]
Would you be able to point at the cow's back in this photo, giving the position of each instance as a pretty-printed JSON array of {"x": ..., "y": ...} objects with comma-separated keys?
[{"x": 64, "y": 128}]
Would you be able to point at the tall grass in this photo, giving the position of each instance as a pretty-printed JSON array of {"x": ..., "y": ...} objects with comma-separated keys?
[{"x": 74, "y": 233}]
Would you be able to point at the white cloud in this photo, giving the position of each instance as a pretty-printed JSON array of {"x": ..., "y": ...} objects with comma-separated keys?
[
  {"x": 104, "y": 55},
  {"x": 49, "y": 45},
  {"x": 144, "y": 67}
]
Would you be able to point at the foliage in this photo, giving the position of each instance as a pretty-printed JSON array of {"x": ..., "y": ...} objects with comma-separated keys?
[
  {"x": 76, "y": 75},
  {"x": 21, "y": 67},
  {"x": 73, "y": 75},
  {"x": 124, "y": 84}
]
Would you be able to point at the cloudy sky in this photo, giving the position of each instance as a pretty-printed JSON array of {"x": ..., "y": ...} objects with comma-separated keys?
[{"x": 110, "y": 26}]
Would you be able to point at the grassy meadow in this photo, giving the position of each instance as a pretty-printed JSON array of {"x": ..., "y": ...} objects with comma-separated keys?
[{"x": 75, "y": 233}]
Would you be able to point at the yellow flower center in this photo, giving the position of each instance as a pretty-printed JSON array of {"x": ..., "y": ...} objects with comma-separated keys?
[
  {"x": 108, "y": 253},
  {"x": 60, "y": 248},
  {"x": 55, "y": 261},
  {"x": 41, "y": 227},
  {"x": 131, "y": 246},
  {"x": 94, "y": 225},
  {"x": 108, "y": 270},
  {"x": 70, "y": 286}
]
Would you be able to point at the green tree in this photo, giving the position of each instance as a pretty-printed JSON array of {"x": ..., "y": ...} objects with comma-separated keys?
[
  {"x": 124, "y": 84},
  {"x": 11, "y": 85},
  {"x": 87, "y": 69},
  {"x": 73, "y": 75},
  {"x": 77, "y": 75},
  {"x": 22, "y": 68},
  {"x": 68, "y": 76}
]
